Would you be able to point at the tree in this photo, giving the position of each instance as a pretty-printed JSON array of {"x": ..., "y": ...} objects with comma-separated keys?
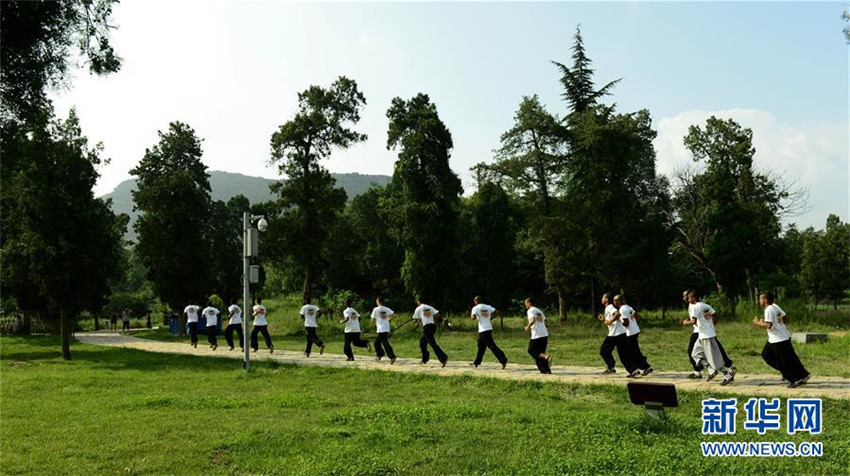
[
  {"x": 487, "y": 238},
  {"x": 66, "y": 241},
  {"x": 309, "y": 199},
  {"x": 579, "y": 89},
  {"x": 173, "y": 199},
  {"x": 812, "y": 265},
  {"x": 225, "y": 239},
  {"x": 36, "y": 43},
  {"x": 835, "y": 259},
  {"x": 423, "y": 203},
  {"x": 728, "y": 214}
]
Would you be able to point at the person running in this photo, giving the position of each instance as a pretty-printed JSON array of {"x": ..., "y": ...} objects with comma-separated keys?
[
  {"x": 113, "y": 322},
  {"x": 191, "y": 312},
  {"x": 261, "y": 326},
  {"x": 778, "y": 351},
  {"x": 382, "y": 316},
  {"x": 125, "y": 318},
  {"x": 211, "y": 314},
  {"x": 484, "y": 313},
  {"x": 629, "y": 317},
  {"x": 539, "y": 337},
  {"x": 235, "y": 324},
  {"x": 426, "y": 316},
  {"x": 706, "y": 353},
  {"x": 309, "y": 313},
  {"x": 616, "y": 339},
  {"x": 351, "y": 318},
  {"x": 697, "y": 373}
]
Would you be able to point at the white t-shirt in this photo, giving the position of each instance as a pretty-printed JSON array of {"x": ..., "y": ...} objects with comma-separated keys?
[
  {"x": 538, "y": 323},
  {"x": 260, "y": 318},
  {"x": 778, "y": 332},
  {"x": 310, "y": 312},
  {"x": 483, "y": 312},
  {"x": 702, "y": 312},
  {"x": 381, "y": 315},
  {"x": 425, "y": 313},
  {"x": 626, "y": 312},
  {"x": 353, "y": 323},
  {"x": 615, "y": 328},
  {"x": 211, "y": 314},
  {"x": 236, "y": 316},
  {"x": 191, "y": 312},
  {"x": 691, "y": 314}
]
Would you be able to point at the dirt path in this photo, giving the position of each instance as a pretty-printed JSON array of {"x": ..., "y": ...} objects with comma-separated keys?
[{"x": 767, "y": 385}]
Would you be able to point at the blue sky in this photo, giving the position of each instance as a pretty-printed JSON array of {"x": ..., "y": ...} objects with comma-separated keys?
[{"x": 232, "y": 71}]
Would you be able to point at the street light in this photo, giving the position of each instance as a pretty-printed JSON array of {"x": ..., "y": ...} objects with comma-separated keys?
[{"x": 250, "y": 240}]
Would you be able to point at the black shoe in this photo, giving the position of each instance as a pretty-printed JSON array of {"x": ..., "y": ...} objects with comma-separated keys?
[
  {"x": 805, "y": 379},
  {"x": 504, "y": 364},
  {"x": 711, "y": 376},
  {"x": 647, "y": 372},
  {"x": 350, "y": 359},
  {"x": 695, "y": 376},
  {"x": 231, "y": 348},
  {"x": 609, "y": 371},
  {"x": 473, "y": 364},
  {"x": 443, "y": 363},
  {"x": 634, "y": 374},
  {"x": 422, "y": 362},
  {"x": 321, "y": 350},
  {"x": 733, "y": 371},
  {"x": 392, "y": 360},
  {"x": 726, "y": 381},
  {"x": 215, "y": 346},
  {"x": 271, "y": 349}
]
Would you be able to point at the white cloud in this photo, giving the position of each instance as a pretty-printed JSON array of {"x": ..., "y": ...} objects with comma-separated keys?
[{"x": 814, "y": 155}]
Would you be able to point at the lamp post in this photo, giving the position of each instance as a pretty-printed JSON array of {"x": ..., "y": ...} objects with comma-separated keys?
[{"x": 250, "y": 240}]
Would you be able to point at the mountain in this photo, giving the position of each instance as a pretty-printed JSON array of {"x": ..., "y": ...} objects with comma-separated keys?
[{"x": 226, "y": 185}]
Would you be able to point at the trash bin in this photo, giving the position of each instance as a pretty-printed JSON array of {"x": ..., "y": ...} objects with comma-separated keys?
[{"x": 175, "y": 324}]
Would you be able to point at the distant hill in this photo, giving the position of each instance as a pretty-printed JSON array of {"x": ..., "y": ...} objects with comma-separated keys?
[{"x": 226, "y": 185}]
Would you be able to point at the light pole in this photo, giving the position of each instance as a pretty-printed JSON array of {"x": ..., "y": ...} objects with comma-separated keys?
[{"x": 250, "y": 240}]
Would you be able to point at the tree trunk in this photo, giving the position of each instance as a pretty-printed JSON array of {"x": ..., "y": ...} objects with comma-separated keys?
[
  {"x": 181, "y": 324},
  {"x": 65, "y": 330},
  {"x": 308, "y": 282},
  {"x": 96, "y": 321},
  {"x": 592, "y": 296},
  {"x": 562, "y": 305},
  {"x": 26, "y": 324}
]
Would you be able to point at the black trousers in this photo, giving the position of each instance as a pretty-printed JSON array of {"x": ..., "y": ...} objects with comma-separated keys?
[
  {"x": 352, "y": 338},
  {"x": 312, "y": 338},
  {"x": 621, "y": 343},
  {"x": 126, "y": 326},
  {"x": 781, "y": 356},
  {"x": 485, "y": 341},
  {"x": 537, "y": 347},
  {"x": 428, "y": 339},
  {"x": 212, "y": 331},
  {"x": 638, "y": 359},
  {"x": 260, "y": 330},
  {"x": 228, "y": 334},
  {"x": 694, "y": 337},
  {"x": 382, "y": 345},
  {"x": 193, "y": 332}
]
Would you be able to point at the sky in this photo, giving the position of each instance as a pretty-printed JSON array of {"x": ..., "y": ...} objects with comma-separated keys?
[{"x": 232, "y": 71}]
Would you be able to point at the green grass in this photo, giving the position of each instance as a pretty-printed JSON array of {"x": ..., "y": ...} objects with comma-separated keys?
[
  {"x": 115, "y": 410},
  {"x": 663, "y": 342}
]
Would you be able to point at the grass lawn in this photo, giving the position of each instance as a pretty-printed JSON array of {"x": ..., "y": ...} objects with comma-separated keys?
[
  {"x": 112, "y": 411},
  {"x": 664, "y": 343}
]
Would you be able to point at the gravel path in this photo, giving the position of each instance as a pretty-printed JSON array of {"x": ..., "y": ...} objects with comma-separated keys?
[{"x": 767, "y": 385}]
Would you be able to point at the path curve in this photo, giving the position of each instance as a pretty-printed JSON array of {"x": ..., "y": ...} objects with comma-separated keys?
[{"x": 767, "y": 385}]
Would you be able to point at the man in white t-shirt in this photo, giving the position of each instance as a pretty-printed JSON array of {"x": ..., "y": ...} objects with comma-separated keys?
[
  {"x": 484, "y": 313},
  {"x": 539, "y": 337},
  {"x": 191, "y": 312},
  {"x": 629, "y": 317},
  {"x": 382, "y": 316},
  {"x": 211, "y": 314},
  {"x": 706, "y": 353},
  {"x": 426, "y": 316},
  {"x": 778, "y": 351},
  {"x": 261, "y": 326},
  {"x": 235, "y": 324},
  {"x": 351, "y": 319},
  {"x": 616, "y": 338},
  {"x": 697, "y": 373},
  {"x": 309, "y": 313},
  {"x": 125, "y": 319}
]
